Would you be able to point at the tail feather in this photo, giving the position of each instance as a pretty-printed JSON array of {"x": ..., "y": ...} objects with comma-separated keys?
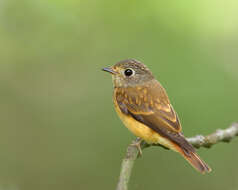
[
  {"x": 196, "y": 162},
  {"x": 189, "y": 153}
]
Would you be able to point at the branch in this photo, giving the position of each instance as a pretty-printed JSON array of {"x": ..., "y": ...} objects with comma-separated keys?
[{"x": 198, "y": 141}]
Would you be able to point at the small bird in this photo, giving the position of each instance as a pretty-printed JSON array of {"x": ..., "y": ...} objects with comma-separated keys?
[{"x": 144, "y": 107}]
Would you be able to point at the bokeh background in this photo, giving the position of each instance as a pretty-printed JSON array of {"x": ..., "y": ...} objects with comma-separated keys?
[{"x": 58, "y": 127}]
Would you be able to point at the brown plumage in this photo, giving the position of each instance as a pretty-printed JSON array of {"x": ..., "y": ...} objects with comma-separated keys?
[{"x": 144, "y": 107}]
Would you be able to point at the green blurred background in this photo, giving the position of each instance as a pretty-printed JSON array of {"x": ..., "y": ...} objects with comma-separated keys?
[{"x": 58, "y": 127}]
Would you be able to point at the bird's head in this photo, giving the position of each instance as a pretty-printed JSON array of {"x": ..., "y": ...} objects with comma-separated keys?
[{"x": 129, "y": 73}]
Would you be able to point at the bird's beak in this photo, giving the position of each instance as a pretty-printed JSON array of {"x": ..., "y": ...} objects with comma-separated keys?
[{"x": 110, "y": 70}]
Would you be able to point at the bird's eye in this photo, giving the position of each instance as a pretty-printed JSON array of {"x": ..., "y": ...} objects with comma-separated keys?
[{"x": 129, "y": 72}]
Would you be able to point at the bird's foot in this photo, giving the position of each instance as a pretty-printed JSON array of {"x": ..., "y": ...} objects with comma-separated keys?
[{"x": 137, "y": 144}]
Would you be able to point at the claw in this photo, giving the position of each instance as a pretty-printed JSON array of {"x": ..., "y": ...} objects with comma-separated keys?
[{"x": 137, "y": 144}]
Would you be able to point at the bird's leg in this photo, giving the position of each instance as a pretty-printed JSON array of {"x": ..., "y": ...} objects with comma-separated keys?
[{"x": 137, "y": 144}]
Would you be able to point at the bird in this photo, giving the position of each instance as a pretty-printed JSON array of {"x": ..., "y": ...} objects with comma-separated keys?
[{"x": 142, "y": 104}]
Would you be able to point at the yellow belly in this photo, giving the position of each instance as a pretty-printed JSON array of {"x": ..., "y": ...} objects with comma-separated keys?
[{"x": 142, "y": 131}]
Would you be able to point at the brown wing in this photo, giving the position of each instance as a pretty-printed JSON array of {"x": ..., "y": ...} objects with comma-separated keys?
[
  {"x": 150, "y": 105},
  {"x": 150, "y": 101}
]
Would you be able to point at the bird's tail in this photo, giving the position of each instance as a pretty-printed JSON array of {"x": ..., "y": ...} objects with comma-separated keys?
[{"x": 195, "y": 161}]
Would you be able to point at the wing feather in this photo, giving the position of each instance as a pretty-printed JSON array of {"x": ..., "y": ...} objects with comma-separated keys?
[{"x": 152, "y": 102}]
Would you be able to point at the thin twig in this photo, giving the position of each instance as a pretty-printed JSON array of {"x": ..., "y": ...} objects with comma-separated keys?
[{"x": 198, "y": 141}]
